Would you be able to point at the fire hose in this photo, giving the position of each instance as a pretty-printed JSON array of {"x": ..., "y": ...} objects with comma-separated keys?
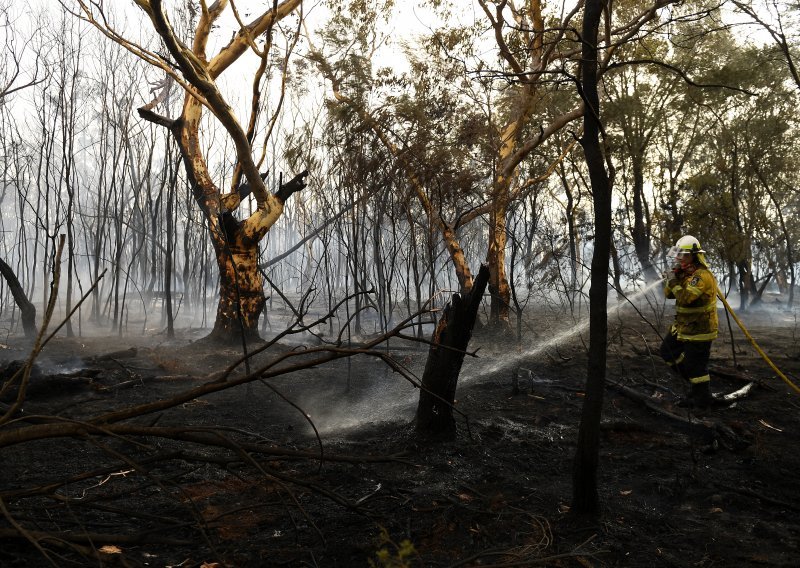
[{"x": 760, "y": 351}]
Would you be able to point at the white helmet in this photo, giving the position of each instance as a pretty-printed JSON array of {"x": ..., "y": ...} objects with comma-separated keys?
[{"x": 688, "y": 243}]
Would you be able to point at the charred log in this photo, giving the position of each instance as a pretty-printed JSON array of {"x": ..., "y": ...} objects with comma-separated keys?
[
  {"x": 445, "y": 357},
  {"x": 713, "y": 430}
]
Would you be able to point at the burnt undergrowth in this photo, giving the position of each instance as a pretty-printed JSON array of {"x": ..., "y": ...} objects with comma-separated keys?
[{"x": 323, "y": 467}]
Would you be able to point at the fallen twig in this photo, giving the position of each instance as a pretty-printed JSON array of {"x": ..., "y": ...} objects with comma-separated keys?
[
  {"x": 577, "y": 552},
  {"x": 140, "y": 538},
  {"x": 760, "y": 496},
  {"x": 22, "y": 532},
  {"x": 733, "y": 374}
]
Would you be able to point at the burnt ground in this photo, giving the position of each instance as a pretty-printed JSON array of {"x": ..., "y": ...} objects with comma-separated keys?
[{"x": 252, "y": 490}]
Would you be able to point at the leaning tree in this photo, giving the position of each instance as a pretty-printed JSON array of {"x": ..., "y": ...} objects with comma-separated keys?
[
  {"x": 13, "y": 78},
  {"x": 184, "y": 57}
]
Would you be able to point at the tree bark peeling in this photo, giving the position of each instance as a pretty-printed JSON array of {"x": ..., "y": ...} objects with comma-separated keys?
[{"x": 241, "y": 296}]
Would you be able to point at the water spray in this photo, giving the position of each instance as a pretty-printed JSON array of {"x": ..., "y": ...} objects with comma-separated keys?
[{"x": 578, "y": 328}]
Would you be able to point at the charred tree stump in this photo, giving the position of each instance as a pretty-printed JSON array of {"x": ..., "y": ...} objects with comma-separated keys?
[
  {"x": 26, "y": 309},
  {"x": 445, "y": 357}
]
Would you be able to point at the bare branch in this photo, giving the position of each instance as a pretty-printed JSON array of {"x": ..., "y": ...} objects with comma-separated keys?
[{"x": 682, "y": 74}]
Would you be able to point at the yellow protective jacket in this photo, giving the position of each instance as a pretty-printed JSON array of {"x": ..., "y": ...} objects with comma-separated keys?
[{"x": 695, "y": 305}]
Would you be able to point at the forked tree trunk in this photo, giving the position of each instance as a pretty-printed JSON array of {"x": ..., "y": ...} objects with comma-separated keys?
[
  {"x": 236, "y": 244},
  {"x": 241, "y": 297},
  {"x": 445, "y": 357},
  {"x": 26, "y": 309}
]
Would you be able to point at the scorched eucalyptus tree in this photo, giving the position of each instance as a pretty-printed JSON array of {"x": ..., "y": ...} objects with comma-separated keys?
[{"x": 185, "y": 59}]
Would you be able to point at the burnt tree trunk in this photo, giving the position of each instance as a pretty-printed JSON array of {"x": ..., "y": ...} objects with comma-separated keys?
[
  {"x": 640, "y": 231},
  {"x": 499, "y": 288},
  {"x": 26, "y": 309},
  {"x": 445, "y": 357},
  {"x": 241, "y": 293},
  {"x": 584, "y": 480},
  {"x": 747, "y": 284},
  {"x": 760, "y": 291}
]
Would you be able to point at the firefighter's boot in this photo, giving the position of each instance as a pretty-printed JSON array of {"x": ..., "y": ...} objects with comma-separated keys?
[{"x": 700, "y": 396}]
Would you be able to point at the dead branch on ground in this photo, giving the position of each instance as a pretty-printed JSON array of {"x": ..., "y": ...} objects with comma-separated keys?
[{"x": 716, "y": 428}]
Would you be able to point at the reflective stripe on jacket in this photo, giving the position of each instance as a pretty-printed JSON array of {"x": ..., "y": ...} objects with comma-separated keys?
[{"x": 695, "y": 305}]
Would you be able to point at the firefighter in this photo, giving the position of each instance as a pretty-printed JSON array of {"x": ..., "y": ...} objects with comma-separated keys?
[{"x": 687, "y": 346}]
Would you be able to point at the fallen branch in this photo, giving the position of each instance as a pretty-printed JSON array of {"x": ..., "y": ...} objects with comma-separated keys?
[
  {"x": 114, "y": 355},
  {"x": 21, "y": 532},
  {"x": 101, "y": 472},
  {"x": 25, "y": 370},
  {"x": 733, "y": 374},
  {"x": 578, "y": 553},
  {"x": 752, "y": 493},
  {"x": 96, "y": 538},
  {"x": 715, "y": 427}
]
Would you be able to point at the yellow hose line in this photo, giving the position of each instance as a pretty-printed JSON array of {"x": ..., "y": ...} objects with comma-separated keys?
[{"x": 753, "y": 342}]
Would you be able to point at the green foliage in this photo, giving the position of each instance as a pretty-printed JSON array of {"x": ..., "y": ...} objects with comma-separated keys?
[
  {"x": 391, "y": 554},
  {"x": 700, "y": 125},
  {"x": 713, "y": 134}
]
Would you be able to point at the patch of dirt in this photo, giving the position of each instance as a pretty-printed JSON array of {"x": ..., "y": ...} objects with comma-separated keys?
[{"x": 239, "y": 478}]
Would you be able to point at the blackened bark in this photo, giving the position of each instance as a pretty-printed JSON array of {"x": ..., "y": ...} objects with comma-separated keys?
[
  {"x": 747, "y": 284},
  {"x": 294, "y": 185},
  {"x": 640, "y": 233},
  {"x": 26, "y": 309},
  {"x": 760, "y": 291},
  {"x": 245, "y": 189},
  {"x": 445, "y": 357},
  {"x": 584, "y": 481},
  {"x": 241, "y": 294},
  {"x": 499, "y": 289}
]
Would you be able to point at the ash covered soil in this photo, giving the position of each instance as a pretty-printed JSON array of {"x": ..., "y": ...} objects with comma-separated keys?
[{"x": 240, "y": 478}]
